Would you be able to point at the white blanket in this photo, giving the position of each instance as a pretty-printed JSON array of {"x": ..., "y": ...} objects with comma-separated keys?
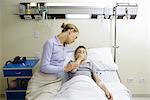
[{"x": 84, "y": 88}]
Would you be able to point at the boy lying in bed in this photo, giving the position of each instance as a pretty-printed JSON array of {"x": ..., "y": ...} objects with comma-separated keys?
[{"x": 82, "y": 66}]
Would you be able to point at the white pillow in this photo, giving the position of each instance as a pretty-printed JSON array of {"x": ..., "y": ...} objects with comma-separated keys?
[{"x": 101, "y": 57}]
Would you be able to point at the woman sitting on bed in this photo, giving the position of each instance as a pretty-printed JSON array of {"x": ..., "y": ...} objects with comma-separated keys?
[{"x": 82, "y": 66}]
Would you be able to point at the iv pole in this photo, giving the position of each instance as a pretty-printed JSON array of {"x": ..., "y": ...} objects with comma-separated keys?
[
  {"x": 115, "y": 34},
  {"x": 115, "y": 29}
]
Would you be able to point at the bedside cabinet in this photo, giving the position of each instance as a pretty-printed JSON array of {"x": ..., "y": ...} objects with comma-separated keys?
[{"x": 18, "y": 76}]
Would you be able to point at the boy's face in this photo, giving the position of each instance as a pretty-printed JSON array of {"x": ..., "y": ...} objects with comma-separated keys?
[{"x": 81, "y": 51}]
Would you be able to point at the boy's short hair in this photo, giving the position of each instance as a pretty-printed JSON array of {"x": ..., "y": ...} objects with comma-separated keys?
[{"x": 79, "y": 48}]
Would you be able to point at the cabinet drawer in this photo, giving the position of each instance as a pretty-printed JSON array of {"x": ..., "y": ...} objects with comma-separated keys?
[
  {"x": 16, "y": 73},
  {"x": 15, "y": 95}
]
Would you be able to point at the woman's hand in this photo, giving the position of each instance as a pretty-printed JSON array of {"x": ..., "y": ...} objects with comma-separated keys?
[
  {"x": 70, "y": 67},
  {"x": 75, "y": 64}
]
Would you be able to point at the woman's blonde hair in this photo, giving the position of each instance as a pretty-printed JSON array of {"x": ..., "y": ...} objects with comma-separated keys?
[{"x": 66, "y": 27}]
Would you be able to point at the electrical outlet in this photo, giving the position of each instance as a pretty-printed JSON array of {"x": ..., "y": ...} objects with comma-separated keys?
[
  {"x": 141, "y": 79},
  {"x": 36, "y": 34},
  {"x": 130, "y": 79}
]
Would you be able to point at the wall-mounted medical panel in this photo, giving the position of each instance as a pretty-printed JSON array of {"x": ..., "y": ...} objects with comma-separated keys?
[
  {"x": 58, "y": 10},
  {"x": 43, "y": 10}
]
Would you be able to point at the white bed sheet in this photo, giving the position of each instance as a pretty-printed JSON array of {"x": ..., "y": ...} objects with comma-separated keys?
[
  {"x": 84, "y": 88},
  {"x": 109, "y": 75},
  {"x": 119, "y": 91},
  {"x": 112, "y": 79}
]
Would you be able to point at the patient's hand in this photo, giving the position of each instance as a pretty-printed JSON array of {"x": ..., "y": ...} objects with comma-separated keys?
[
  {"x": 70, "y": 67},
  {"x": 109, "y": 96},
  {"x": 81, "y": 57}
]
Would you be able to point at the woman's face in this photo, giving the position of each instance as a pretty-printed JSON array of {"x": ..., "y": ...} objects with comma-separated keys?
[
  {"x": 81, "y": 51},
  {"x": 72, "y": 36}
]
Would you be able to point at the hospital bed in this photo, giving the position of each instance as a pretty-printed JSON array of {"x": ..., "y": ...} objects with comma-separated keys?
[{"x": 84, "y": 88}]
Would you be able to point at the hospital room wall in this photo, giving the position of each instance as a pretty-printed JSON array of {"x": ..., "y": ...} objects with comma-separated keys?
[
  {"x": 148, "y": 36},
  {"x": 0, "y": 46},
  {"x": 147, "y": 16},
  {"x": 0, "y": 32},
  {"x": 132, "y": 55}
]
